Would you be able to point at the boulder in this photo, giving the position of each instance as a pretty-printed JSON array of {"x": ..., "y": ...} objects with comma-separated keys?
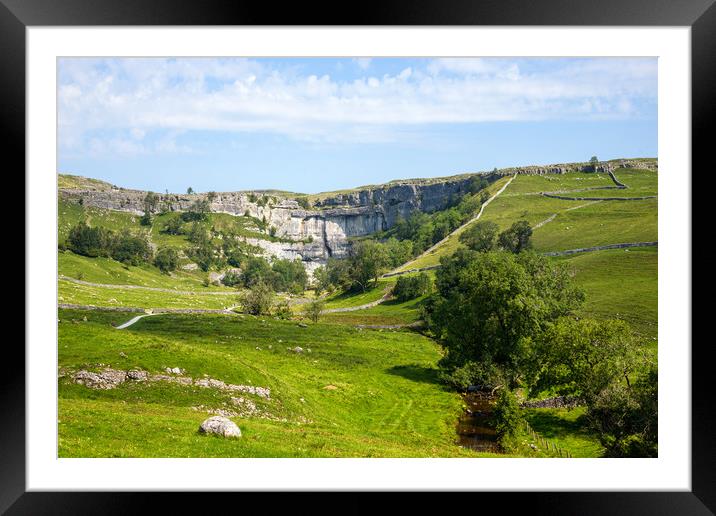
[{"x": 220, "y": 425}]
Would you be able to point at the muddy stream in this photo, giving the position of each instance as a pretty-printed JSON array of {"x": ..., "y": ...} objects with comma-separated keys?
[{"x": 473, "y": 429}]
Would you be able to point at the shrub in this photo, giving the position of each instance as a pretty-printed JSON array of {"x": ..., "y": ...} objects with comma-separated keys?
[
  {"x": 174, "y": 226},
  {"x": 507, "y": 419},
  {"x": 517, "y": 238},
  {"x": 258, "y": 300},
  {"x": 314, "y": 310},
  {"x": 411, "y": 287},
  {"x": 283, "y": 311},
  {"x": 167, "y": 259},
  {"x": 231, "y": 279},
  {"x": 480, "y": 236}
]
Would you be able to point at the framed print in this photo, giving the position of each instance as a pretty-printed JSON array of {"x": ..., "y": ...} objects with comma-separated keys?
[{"x": 420, "y": 250}]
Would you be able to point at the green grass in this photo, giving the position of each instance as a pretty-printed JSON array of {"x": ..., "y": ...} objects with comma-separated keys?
[
  {"x": 342, "y": 299},
  {"x": 620, "y": 283},
  {"x": 73, "y": 293},
  {"x": 390, "y": 312},
  {"x": 567, "y": 429},
  {"x": 577, "y": 223},
  {"x": 108, "y": 271},
  {"x": 387, "y": 401},
  {"x": 69, "y": 181}
]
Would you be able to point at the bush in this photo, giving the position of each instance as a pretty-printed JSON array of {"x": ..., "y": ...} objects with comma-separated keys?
[
  {"x": 480, "y": 236},
  {"x": 283, "y": 311},
  {"x": 517, "y": 238},
  {"x": 303, "y": 203},
  {"x": 231, "y": 279},
  {"x": 258, "y": 300},
  {"x": 289, "y": 276},
  {"x": 411, "y": 287},
  {"x": 507, "y": 419},
  {"x": 167, "y": 259},
  {"x": 314, "y": 309},
  {"x": 174, "y": 226}
]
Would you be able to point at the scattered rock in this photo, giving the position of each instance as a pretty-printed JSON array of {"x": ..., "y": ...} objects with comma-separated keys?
[
  {"x": 122, "y": 354},
  {"x": 302, "y": 325},
  {"x": 137, "y": 375},
  {"x": 174, "y": 370},
  {"x": 297, "y": 349},
  {"x": 220, "y": 425},
  {"x": 106, "y": 379}
]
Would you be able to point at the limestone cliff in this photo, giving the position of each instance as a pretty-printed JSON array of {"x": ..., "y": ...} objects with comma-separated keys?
[{"x": 317, "y": 234}]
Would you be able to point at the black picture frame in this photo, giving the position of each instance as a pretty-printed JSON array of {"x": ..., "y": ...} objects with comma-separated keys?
[{"x": 700, "y": 15}]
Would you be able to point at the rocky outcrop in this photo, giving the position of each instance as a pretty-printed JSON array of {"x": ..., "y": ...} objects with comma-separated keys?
[{"x": 314, "y": 235}]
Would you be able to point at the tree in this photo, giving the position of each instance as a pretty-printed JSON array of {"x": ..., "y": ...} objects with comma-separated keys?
[
  {"x": 289, "y": 276},
  {"x": 304, "y": 203},
  {"x": 211, "y": 196},
  {"x": 517, "y": 238},
  {"x": 322, "y": 280},
  {"x": 89, "y": 241},
  {"x": 189, "y": 190},
  {"x": 489, "y": 306},
  {"x": 256, "y": 270},
  {"x": 477, "y": 183},
  {"x": 368, "y": 260},
  {"x": 258, "y": 300},
  {"x": 600, "y": 362},
  {"x": 197, "y": 211},
  {"x": 150, "y": 206},
  {"x": 594, "y": 161},
  {"x": 507, "y": 419},
  {"x": 411, "y": 287},
  {"x": 131, "y": 249},
  {"x": 166, "y": 259},
  {"x": 314, "y": 309},
  {"x": 174, "y": 226},
  {"x": 480, "y": 236}
]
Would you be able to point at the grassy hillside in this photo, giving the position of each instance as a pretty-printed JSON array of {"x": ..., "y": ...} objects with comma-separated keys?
[
  {"x": 569, "y": 224},
  {"x": 384, "y": 398},
  {"x": 70, "y": 181}
]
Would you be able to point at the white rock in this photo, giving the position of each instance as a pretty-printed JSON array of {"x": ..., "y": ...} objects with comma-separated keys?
[{"x": 220, "y": 425}]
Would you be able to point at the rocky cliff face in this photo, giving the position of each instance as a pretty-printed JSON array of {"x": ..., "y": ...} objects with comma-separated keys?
[{"x": 317, "y": 234}]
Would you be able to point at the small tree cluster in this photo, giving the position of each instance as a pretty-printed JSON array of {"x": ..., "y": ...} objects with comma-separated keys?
[
  {"x": 125, "y": 247},
  {"x": 411, "y": 287},
  {"x": 483, "y": 237}
]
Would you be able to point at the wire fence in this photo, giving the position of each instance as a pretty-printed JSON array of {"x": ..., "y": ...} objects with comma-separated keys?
[{"x": 550, "y": 447}]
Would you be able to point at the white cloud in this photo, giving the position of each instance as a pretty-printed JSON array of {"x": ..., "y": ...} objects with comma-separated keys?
[{"x": 133, "y": 99}]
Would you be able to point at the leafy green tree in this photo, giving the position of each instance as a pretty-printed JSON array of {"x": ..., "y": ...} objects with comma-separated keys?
[
  {"x": 339, "y": 273},
  {"x": 131, "y": 249},
  {"x": 594, "y": 162},
  {"x": 174, "y": 226},
  {"x": 478, "y": 183},
  {"x": 289, "y": 276},
  {"x": 231, "y": 279},
  {"x": 314, "y": 310},
  {"x": 258, "y": 299},
  {"x": 304, "y": 203},
  {"x": 517, "y": 238},
  {"x": 322, "y": 280},
  {"x": 489, "y": 306},
  {"x": 256, "y": 270},
  {"x": 368, "y": 260},
  {"x": 166, "y": 259},
  {"x": 198, "y": 234},
  {"x": 398, "y": 252},
  {"x": 600, "y": 362},
  {"x": 507, "y": 419},
  {"x": 481, "y": 236},
  {"x": 411, "y": 287},
  {"x": 282, "y": 311},
  {"x": 203, "y": 255},
  {"x": 89, "y": 241},
  {"x": 198, "y": 211},
  {"x": 190, "y": 190}
]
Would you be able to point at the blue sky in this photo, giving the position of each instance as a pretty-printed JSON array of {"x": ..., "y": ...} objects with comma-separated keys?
[{"x": 319, "y": 124}]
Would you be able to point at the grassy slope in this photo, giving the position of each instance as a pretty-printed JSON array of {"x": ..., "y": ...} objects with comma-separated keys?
[
  {"x": 577, "y": 223},
  {"x": 620, "y": 283},
  {"x": 567, "y": 429},
  {"x": 380, "y": 376}
]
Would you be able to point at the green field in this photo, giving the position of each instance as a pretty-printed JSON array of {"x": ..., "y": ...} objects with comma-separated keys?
[
  {"x": 566, "y": 428},
  {"x": 621, "y": 284},
  {"x": 387, "y": 401},
  {"x": 569, "y": 224}
]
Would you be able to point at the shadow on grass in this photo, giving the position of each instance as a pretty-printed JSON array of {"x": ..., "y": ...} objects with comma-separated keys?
[
  {"x": 552, "y": 426},
  {"x": 417, "y": 373}
]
